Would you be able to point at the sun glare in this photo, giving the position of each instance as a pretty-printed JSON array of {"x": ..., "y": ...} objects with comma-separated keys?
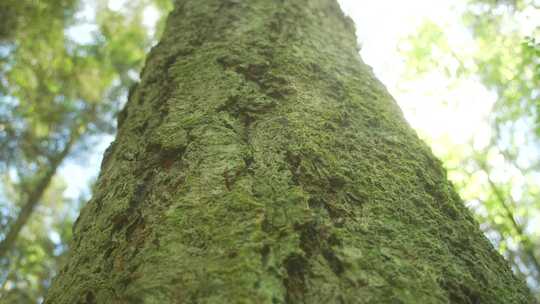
[{"x": 440, "y": 109}]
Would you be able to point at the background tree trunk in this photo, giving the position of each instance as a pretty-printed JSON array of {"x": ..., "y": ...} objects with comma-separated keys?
[
  {"x": 37, "y": 189},
  {"x": 260, "y": 161}
]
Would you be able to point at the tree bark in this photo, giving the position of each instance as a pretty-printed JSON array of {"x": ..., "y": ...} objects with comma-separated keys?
[{"x": 260, "y": 161}]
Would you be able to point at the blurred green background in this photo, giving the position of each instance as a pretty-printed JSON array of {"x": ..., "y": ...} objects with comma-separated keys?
[{"x": 466, "y": 74}]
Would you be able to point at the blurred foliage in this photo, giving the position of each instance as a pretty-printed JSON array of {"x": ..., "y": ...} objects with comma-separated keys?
[
  {"x": 39, "y": 250},
  {"x": 59, "y": 91},
  {"x": 500, "y": 178}
]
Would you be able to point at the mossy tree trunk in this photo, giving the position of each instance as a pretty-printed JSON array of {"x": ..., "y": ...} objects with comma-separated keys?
[{"x": 260, "y": 161}]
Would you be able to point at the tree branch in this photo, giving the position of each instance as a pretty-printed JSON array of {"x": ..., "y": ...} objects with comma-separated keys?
[
  {"x": 523, "y": 238},
  {"x": 34, "y": 197}
]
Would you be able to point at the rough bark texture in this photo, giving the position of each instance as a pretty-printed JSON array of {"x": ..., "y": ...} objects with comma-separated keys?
[{"x": 260, "y": 161}]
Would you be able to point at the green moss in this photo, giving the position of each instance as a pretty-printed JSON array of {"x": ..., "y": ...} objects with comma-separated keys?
[{"x": 260, "y": 161}]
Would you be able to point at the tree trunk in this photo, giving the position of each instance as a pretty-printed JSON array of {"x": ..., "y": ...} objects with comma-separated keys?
[{"x": 260, "y": 161}]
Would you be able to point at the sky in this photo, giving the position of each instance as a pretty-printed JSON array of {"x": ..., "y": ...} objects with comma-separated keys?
[{"x": 381, "y": 27}]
